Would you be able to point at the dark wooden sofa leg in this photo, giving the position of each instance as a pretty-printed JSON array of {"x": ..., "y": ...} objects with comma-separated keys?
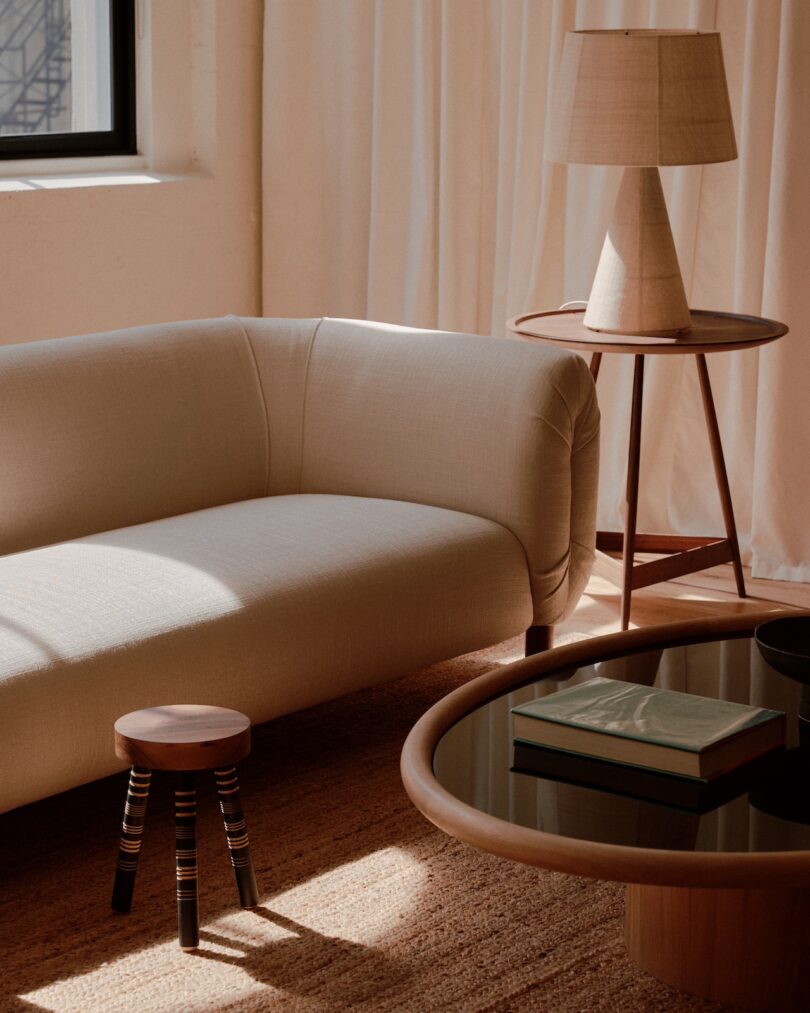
[{"x": 538, "y": 638}]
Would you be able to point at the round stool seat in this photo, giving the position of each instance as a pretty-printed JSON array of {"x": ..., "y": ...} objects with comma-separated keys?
[{"x": 182, "y": 737}]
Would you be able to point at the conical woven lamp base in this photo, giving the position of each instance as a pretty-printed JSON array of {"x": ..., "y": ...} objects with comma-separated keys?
[{"x": 638, "y": 287}]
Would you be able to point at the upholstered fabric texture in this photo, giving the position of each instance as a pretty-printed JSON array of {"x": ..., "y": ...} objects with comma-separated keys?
[
  {"x": 107, "y": 430},
  {"x": 502, "y": 429},
  {"x": 265, "y": 514},
  {"x": 267, "y": 606}
]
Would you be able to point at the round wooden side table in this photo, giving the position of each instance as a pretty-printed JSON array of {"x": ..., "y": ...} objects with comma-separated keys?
[
  {"x": 183, "y": 738},
  {"x": 710, "y": 332}
]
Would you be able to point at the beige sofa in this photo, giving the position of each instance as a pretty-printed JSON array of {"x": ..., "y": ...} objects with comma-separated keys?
[{"x": 264, "y": 514}]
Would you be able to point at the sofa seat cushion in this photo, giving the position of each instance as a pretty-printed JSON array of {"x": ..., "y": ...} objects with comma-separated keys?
[{"x": 266, "y": 605}]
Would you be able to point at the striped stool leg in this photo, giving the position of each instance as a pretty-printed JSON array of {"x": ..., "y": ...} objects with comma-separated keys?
[
  {"x": 185, "y": 833},
  {"x": 131, "y": 834},
  {"x": 236, "y": 832}
]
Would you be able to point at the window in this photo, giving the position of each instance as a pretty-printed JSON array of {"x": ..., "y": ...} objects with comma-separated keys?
[{"x": 67, "y": 78}]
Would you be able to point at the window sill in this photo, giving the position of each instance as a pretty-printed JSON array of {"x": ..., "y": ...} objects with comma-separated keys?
[{"x": 46, "y": 174}]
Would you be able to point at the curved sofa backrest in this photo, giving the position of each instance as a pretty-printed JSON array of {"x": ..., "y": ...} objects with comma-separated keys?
[
  {"x": 499, "y": 428},
  {"x": 106, "y": 430}
]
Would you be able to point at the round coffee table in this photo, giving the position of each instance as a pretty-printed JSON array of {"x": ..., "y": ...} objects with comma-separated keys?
[{"x": 718, "y": 898}]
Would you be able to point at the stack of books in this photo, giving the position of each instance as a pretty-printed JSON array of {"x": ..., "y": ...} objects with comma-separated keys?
[{"x": 676, "y": 749}]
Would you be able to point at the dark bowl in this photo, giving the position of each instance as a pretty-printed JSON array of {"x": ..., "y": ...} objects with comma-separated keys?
[
  {"x": 785, "y": 645},
  {"x": 782, "y": 790}
]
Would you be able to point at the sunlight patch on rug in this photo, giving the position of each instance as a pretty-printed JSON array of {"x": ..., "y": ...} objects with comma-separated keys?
[{"x": 330, "y": 921}]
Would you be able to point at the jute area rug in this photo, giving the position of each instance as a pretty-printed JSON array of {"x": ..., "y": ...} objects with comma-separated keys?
[{"x": 364, "y": 904}]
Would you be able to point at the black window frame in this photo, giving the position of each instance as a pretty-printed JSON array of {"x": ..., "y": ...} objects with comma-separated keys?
[{"x": 121, "y": 139}]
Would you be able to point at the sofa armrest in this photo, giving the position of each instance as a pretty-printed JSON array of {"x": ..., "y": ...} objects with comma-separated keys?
[{"x": 501, "y": 428}]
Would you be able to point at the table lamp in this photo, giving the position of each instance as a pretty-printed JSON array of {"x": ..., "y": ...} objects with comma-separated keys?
[{"x": 640, "y": 98}]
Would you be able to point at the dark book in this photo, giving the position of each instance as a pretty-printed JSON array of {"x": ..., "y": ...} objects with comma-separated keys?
[
  {"x": 693, "y": 794},
  {"x": 680, "y": 733}
]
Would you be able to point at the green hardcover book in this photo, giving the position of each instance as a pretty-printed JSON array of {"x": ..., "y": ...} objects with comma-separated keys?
[{"x": 663, "y": 729}]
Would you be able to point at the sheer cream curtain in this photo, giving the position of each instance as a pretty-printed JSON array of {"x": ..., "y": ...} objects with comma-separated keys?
[{"x": 404, "y": 181}]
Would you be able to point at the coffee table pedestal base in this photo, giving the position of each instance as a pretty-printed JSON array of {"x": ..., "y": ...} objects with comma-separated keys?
[{"x": 747, "y": 948}]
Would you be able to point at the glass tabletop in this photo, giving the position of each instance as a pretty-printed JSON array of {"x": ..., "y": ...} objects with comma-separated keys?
[{"x": 763, "y": 808}]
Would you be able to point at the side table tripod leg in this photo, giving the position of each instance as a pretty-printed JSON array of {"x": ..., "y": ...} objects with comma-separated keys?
[
  {"x": 720, "y": 472},
  {"x": 129, "y": 847},
  {"x": 633, "y": 468},
  {"x": 185, "y": 833},
  {"x": 236, "y": 832},
  {"x": 596, "y": 362}
]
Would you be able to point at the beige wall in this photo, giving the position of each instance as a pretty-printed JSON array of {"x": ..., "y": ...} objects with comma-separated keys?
[{"x": 89, "y": 258}]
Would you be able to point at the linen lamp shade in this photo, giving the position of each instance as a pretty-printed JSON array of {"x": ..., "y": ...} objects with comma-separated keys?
[{"x": 640, "y": 98}]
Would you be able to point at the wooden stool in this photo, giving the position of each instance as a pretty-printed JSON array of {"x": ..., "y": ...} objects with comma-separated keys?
[{"x": 184, "y": 738}]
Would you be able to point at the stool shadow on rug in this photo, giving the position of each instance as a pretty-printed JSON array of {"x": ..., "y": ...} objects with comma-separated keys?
[{"x": 307, "y": 961}]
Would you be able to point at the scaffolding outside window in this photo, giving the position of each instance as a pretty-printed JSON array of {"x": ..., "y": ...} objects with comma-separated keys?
[{"x": 67, "y": 84}]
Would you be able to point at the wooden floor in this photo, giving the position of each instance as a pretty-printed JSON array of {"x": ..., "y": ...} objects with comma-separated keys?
[{"x": 705, "y": 594}]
